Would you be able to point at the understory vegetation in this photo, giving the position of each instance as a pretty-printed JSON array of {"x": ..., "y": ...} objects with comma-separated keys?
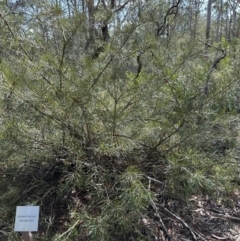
[{"x": 109, "y": 110}]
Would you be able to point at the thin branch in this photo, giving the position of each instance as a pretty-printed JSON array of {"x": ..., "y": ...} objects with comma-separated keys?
[
  {"x": 12, "y": 33},
  {"x": 100, "y": 74},
  {"x": 43, "y": 113},
  {"x": 102, "y": 103},
  {"x": 112, "y": 58},
  {"x": 183, "y": 222},
  {"x": 213, "y": 66},
  {"x": 27, "y": 54},
  {"x": 153, "y": 179},
  {"x": 162, "y": 140},
  {"x": 49, "y": 82},
  {"x": 69, "y": 230},
  {"x": 226, "y": 216},
  {"x": 170, "y": 11},
  {"x": 209, "y": 46},
  {"x": 160, "y": 220},
  {"x": 219, "y": 238},
  {"x": 121, "y": 7}
]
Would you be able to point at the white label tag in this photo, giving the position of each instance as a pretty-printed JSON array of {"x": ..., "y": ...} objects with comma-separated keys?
[{"x": 26, "y": 219}]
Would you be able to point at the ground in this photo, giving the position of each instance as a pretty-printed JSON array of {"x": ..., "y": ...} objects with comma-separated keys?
[{"x": 204, "y": 219}]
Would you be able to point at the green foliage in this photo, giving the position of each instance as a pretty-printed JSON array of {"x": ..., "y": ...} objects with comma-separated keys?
[{"x": 87, "y": 121}]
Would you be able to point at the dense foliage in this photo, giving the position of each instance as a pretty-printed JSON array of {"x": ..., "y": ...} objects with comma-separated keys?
[{"x": 108, "y": 108}]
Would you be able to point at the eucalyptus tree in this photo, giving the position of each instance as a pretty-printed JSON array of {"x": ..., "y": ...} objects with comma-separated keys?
[
  {"x": 208, "y": 26},
  {"x": 227, "y": 19},
  {"x": 191, "y": 11}
]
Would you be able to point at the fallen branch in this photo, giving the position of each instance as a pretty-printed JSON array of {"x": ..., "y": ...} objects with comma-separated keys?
[
  {"x": 153, "y": 179},
  {"x": 227, "y": 216},
  {"x": 183, "y": 222},
  {"x": 219, "y": 238},
  {"x": 160, "y": 219}
]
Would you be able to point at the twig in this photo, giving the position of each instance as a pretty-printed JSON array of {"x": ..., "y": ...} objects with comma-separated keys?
[
  {"x": 170, "y": 11},
  {"x": 100, "y": 74},
  {"x": 70, "y": 229},
  {"x": 153, "y": 179},
  {"x": 13, "y": 35},
  {"x": 219, "y": 238},
  {"x": 208, "y": 45},
  {"x": 121, "y": 7},
  {"x": 183, "y": 222},
  {"x": 27, "y": 54},
  {"x": 213, "y": 66},
  {"x": 227, "y": 216},
  {"x": 112, "y": 58},
  {"x": 160, "y": 219},
  {"x": 163, "y": 139}
]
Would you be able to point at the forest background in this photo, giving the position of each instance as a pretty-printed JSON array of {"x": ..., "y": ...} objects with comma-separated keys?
[{"x": 111, "y": 109}]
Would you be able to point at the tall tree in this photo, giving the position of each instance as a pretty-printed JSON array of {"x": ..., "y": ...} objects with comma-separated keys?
[{"x": 208, "y": 24}]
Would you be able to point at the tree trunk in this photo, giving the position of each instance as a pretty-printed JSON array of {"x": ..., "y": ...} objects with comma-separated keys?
[
  {"x": 219, "y": 17},
  {"x": 90, "y": 6},
  {"x": 208, "y": 27},
  {"x": 234, "y": 19}
]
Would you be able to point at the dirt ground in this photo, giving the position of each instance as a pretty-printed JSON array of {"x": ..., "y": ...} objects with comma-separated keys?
[{"x": 204, "y": 220}]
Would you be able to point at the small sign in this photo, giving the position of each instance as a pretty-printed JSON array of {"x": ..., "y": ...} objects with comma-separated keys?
[{"x": 26, "y": 219}]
